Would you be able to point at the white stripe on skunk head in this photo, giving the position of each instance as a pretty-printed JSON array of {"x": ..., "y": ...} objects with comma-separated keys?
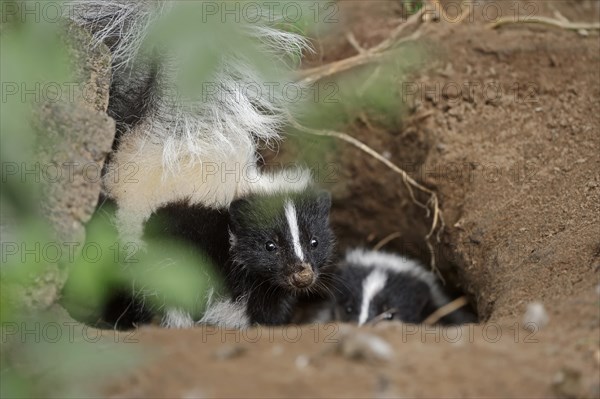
[
  {"x": 376, "y": 283},
  {"x": 372, "y": 285},
  {"x": 292, "y": 222},
  {"x": 283, "y": 237}
]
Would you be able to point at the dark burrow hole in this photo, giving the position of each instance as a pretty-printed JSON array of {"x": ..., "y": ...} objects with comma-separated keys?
[{"x": 371, "y": 206}]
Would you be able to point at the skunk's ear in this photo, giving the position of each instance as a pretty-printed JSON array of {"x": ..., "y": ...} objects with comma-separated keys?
[
  {"x": 232, "y": 239},
  {"x": 324, "y": 201}
]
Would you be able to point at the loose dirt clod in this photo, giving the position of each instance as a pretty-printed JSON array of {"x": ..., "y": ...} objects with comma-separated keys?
[
  {"x": 364, "y": 346},
  {"x": 302, "y": 361},
  {"x": 535, "y": 317},
  {"x": 229, "y": 352}
]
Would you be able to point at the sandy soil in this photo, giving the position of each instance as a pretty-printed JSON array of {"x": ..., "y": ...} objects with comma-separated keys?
[
  {"x": 492, "y": 360},
  {"x": 516, "y": 163}
]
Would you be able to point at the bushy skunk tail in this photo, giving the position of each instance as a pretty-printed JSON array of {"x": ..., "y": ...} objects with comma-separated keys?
[{"x": 143, "y": 95}]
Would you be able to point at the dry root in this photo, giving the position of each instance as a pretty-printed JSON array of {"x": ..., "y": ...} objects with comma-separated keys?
[
  {"x": 431, "y": 206},
  {"x": 445, "y": 310},
  {"x": 563, "y": 24},
  {"x": 386, "y": 240},
  {"x": 364, "y": 56}
]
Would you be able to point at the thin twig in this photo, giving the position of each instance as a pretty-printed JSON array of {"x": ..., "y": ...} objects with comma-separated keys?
[
  {"x": 409, "y": 182},
  {"x": 386, "y": 240},
  {"x": 309, "y": 76},
  {"x": 445, "y": 310},
  {"x": 544, "y": 21},
  {"x": 392, "y": 39},
  {"x": 366, "y": 56},
  {"x": 559, "y": 16},
  {"x": 424, "y": 115},
  {"x": 381, "y": 317},
  {"x": 354, "y": 43}
]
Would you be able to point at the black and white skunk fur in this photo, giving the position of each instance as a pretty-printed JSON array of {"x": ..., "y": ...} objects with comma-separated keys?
[
  {"x": 281, "y": 249},
  {"x": 378, "y": 284},
  {"x": 179, "y": 155},
  {"x": 271, "y": 249},
  {"x": 171, "y": 148}
]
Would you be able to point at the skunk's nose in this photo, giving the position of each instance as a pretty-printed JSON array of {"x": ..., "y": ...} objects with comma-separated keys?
[{"x": 303, "y": 276}]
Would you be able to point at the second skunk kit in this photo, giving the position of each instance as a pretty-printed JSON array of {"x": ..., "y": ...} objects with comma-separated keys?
[{"x": 265, "y": 234}]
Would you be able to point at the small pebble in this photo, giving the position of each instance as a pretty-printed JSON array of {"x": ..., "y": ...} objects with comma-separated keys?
[
  {"x": 366, "y": 346},
  {"x": 302, "y": 361},
  {"x": 535, "y": 317},
  {"x": 194, "y": 393},
  {"x": 229, "y": 351}
]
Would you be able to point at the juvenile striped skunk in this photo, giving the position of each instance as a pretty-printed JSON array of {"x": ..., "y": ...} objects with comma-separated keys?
[
  {"x": 281, "y": 249},
  {"x": 376, "y": 284},
  {"x": 271, "y": 248},
  {"x": 170, "y": 147}
]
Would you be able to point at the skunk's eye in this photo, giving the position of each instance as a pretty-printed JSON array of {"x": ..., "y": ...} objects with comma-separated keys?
[
  {"x": 270, "y": 246},
  {"x": 349, "y": 309},
  {"x": 314, "y": 243}
]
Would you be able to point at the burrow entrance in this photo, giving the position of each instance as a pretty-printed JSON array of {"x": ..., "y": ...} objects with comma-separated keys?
[{"x": 372, "y": 207}]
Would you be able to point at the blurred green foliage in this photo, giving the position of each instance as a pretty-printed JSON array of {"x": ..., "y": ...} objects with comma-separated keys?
[
  {"x": 31, "y": 52},
  {"x": 371, "y": 89},
  {"x": 412, "y": 6},
  {"x": 165, "y": 274}
]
